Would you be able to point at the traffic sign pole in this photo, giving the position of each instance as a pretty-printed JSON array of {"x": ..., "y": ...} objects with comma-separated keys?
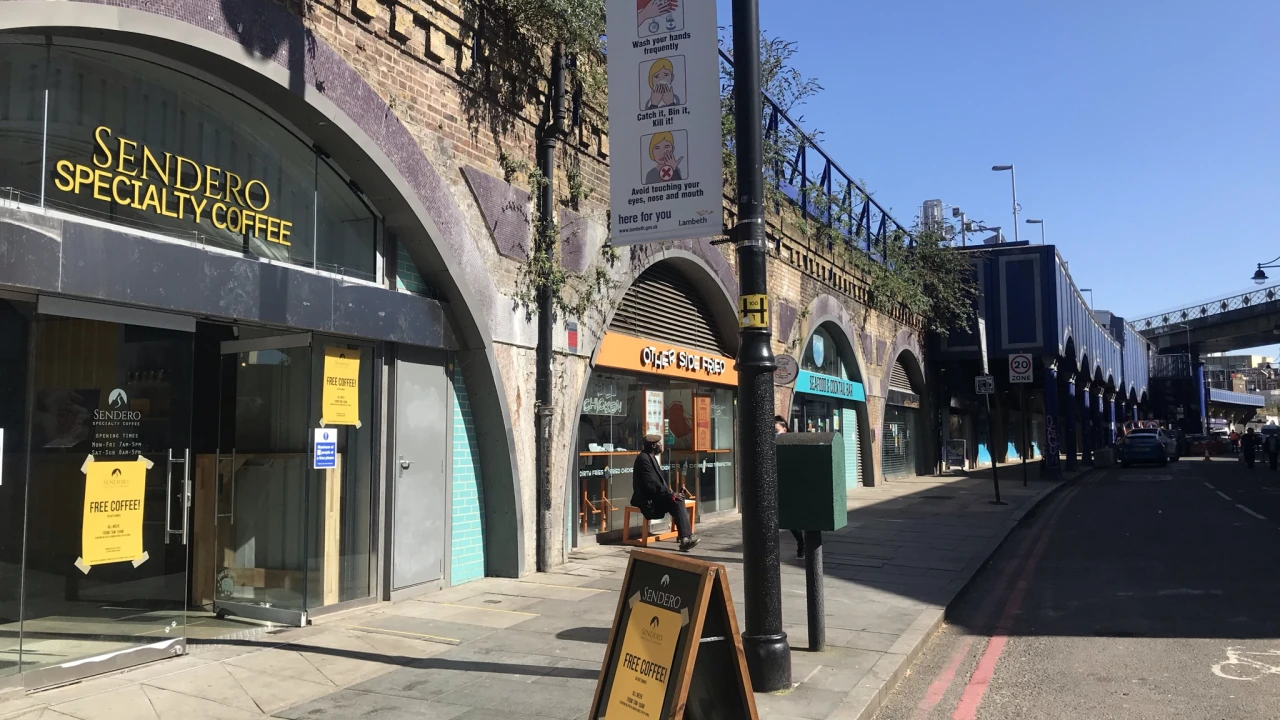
[
  {"x": 995, "y": 462},
  {"x": 1026, "y": 434},
  {"x": 1022, "y": 371}
]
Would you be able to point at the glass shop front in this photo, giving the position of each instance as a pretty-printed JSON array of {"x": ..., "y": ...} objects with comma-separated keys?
[{"x": 642, "y": 387}]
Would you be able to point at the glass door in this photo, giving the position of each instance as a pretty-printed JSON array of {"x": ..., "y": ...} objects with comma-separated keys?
[
  {"x": 105, "y": 572},
  {"x": 263, "y": 480}
]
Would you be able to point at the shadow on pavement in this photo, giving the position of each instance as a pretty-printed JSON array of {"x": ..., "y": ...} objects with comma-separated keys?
[{"x": 1138, "y": 553}]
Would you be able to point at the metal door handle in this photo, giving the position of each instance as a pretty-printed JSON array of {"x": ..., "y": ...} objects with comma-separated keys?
[
  {"x": 168, "y": 503},
  {"x": 404, "y": 464},
  {"x": 186, "y": 494}
]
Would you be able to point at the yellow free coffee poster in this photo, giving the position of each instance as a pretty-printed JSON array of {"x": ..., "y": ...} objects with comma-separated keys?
[
  {"x": 644, "y": 665},
  {"x": 114, "y": 496},
  {"x": 340, "y": 398}
]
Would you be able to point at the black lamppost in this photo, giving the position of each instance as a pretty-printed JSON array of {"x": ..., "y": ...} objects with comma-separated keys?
[
  {"x": 1260, "y": 277},
  {"x": 768, "y": 655}
]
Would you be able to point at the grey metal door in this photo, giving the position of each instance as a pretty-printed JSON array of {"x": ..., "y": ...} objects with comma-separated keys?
[{"x": 421, "y": 492}]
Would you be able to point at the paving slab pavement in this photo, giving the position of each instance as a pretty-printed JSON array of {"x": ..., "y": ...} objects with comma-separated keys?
[{"x": 532, "y": 647}]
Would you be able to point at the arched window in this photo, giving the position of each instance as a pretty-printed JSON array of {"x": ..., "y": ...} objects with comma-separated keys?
[{"x": 95, "y": 130}]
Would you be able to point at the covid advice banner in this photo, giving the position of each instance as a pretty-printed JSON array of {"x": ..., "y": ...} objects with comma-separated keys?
[{"x": 665, "y": 175}]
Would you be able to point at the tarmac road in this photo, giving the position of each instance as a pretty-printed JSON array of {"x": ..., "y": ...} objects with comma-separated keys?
[{"x": 1140, "y": 593}]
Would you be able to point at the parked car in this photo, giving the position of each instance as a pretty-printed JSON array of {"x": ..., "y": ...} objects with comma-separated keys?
[
  {"x": 1138, "y": 447},
  {"x": 1216, "y": 443},
  {"x": 1167, "y": 441}
]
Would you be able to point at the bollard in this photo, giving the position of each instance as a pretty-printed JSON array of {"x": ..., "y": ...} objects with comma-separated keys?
[{"x": 813, "y": 590}]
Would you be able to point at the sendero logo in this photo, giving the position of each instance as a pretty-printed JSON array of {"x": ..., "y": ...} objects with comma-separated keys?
[
  {"x": 119, "y": 400},
  {"x": 662, "y": 599},
  {"x": 652, "y": 633}
]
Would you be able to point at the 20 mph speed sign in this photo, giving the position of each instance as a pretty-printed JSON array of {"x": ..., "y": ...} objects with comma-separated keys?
[{"x": 1020, "y": 368}]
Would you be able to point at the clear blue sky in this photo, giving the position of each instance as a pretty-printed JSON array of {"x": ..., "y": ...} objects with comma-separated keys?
[{"x": 1146, "y": 133}]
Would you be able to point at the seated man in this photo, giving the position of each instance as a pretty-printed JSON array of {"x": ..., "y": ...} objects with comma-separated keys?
[{"x": 654, "y": 497}]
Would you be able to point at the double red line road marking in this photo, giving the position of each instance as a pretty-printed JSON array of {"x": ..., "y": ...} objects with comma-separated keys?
[{"x": 1026, "y": 558}]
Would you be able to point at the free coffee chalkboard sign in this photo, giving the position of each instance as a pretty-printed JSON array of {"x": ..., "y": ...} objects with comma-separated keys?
[{"x": 674, "y": 650}]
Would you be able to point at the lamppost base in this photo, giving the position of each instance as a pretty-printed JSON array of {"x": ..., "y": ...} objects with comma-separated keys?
[{"x": 768, "y": 661}]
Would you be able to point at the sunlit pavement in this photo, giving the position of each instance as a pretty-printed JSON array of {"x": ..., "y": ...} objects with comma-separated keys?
[
  {"x": 532, "y": 648},
  {"x": 1144, "y": 592}
]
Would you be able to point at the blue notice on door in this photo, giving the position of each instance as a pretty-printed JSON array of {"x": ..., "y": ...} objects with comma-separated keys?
[{"x": 325, "y": 451}]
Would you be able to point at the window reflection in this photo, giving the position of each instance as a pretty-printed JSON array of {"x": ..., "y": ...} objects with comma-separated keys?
[
  {"x": 698, "y": 455},
  {"x": 144, "y": 145}
]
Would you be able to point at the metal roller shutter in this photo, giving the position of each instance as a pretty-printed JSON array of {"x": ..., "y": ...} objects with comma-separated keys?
[
  {"x": 663, "y": 305},
  {"x": 897, "y": 434},
  {"x": 897, "y": 454},
  {"x": 899, "y": 379}
]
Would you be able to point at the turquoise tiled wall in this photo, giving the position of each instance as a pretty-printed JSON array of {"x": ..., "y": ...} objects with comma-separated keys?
[
  {"x": 849, "y": 433},
  {"x": 467, "y": 562}
]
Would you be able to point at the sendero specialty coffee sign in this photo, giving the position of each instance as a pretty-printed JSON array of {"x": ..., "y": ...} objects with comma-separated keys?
[
  {"x": 132, "y": 175},
  {"x": 669, "y": 610},
  {"x": 632, "y": 353},
  {"x": 817, "y": 384}
]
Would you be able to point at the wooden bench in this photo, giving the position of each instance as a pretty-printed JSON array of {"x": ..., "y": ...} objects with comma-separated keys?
[{"x": 645, "y": 538}]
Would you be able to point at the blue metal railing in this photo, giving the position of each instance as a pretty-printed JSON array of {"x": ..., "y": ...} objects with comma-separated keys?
[{"x": 832, "y": 197}]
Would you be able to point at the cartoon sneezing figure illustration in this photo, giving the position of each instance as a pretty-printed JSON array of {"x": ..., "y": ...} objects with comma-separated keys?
[
  {"x": 662, "y": 151},
  {"x": 662, "y": 91}
]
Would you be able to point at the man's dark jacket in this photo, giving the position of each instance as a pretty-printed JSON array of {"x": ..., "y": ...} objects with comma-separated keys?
[{"x": 649, "y": 489}]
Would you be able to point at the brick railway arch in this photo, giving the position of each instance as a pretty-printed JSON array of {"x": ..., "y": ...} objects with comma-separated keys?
[
  {"x": 906, "y": 349},
  {"x": 708, "y": 271},
  {"x": 828, "y": 313},
  {"x": 261, "y": 51}
]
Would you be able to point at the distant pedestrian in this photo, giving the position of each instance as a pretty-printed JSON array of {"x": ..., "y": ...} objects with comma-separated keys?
[
  {"x": 1234, "y": 440},
  {"x": 1272, "y": 445},
  {"x": 780, "y": 426},
  {"x": 1249, "y": 447}
]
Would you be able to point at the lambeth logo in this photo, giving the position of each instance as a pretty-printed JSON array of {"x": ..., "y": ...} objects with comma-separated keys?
[{"x": 118, "y": 399}]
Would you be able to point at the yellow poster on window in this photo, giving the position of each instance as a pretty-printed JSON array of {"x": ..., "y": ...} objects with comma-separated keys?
[
  {"x": 114, "y": 497},
  {"x": 340, "y": 398},
  {"x": 644, "y": 665}
]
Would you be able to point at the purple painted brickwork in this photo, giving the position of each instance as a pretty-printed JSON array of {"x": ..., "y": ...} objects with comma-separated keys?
[
  {"x": 506, "y": 212},
  {"x": 786, "y": 313}
]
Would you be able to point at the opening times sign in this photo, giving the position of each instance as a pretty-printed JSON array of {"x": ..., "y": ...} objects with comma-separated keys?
[{"x": 664, "y": 120}]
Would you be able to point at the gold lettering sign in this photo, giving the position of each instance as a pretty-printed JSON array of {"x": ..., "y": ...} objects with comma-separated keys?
[{"x": 131, "y": 174}]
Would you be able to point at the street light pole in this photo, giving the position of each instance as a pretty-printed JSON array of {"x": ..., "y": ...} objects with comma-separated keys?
[
  {"x": 1041, "y": 224},
  {"x": 765, "y": 644},
  {"x": 1014, "y": 179}
]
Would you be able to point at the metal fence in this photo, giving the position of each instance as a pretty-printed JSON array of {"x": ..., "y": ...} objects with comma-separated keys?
[
  {"x": 1170, "y": 366},
  {"x": 1168, "y": 321},
  {"x": 820, "y": 189}
]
